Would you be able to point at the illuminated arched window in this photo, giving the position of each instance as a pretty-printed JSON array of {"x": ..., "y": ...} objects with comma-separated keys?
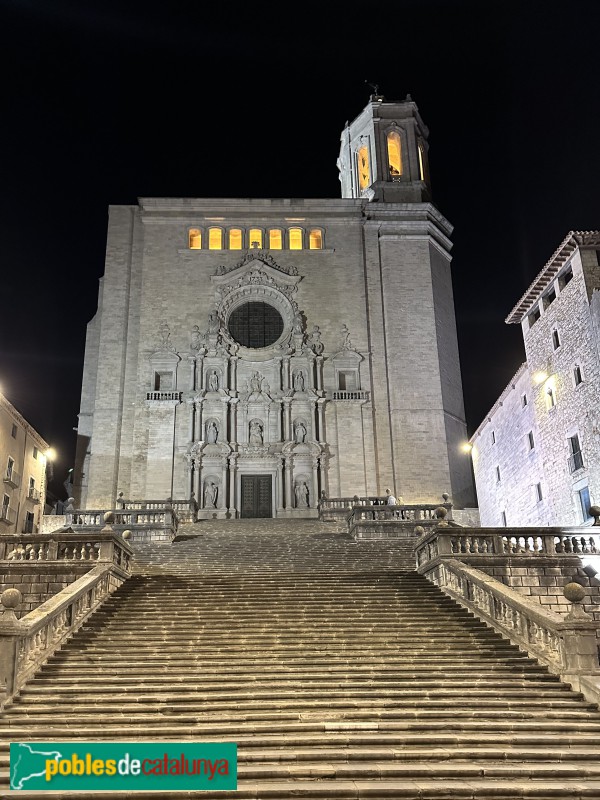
[
  {"x": 235, "y": 239},
  {"x": 364, "y": 175},
  {"x": 295, "y": 235},
  {"x": 315, "y": 239},
  {"x": 394, "y": 147},
  {"x": 421, "y": 162},
  {"x": 275, "y": 239},
  {"x": 215, "y": 239},
  {"x": 195, "y": 239},
  {"x": 256, "y": 238}
]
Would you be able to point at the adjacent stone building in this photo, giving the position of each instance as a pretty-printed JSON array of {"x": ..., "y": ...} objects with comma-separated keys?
[
  {"x": 257, "y": 353},
  {"x": 23, "y": 455},
  {"x": 536, "y": 456}
]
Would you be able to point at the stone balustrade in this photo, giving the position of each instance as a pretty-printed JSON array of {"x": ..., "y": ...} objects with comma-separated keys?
[
  {"x": 26, "y": 643},
  {"x": 147, "y": 520},
  {"x": 377, "y": 508},
  {"x": 463, "y": 543}
]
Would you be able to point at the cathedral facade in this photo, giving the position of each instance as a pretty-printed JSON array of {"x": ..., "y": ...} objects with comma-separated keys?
[{"x": 257, "y": 354}]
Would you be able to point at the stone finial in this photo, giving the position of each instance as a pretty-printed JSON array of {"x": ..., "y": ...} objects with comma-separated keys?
[
  {"x": 126, "y": 535},
  {"x": 440, "y": 514},
  {"x": 595, "y": 512},
  {"x": 419, "y": 530},
  {"x": 10, "y": 599},
  {"x": 575, "y": 593},
  {"x": 108, "y": 518},
  {"x": 445, "y": 497}
]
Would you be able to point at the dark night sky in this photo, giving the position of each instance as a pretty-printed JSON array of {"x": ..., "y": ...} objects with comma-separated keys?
[{"x": 104, "y": 102}]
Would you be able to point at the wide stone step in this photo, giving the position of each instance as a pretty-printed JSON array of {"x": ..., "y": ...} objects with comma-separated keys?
[{"x": 318, "y": 789}]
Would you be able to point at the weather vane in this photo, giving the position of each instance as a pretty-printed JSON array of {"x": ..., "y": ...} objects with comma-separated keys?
[{"x": 373, "y": 86}]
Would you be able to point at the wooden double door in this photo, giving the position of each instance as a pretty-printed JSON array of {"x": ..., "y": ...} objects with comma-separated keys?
[{"x": 257, "y": 496}]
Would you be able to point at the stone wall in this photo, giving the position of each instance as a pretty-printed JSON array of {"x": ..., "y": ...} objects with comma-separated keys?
[{"x": 39, "y": 582}]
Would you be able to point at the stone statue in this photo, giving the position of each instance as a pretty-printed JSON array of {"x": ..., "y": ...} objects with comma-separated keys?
[
  {"x": 210, "y": 494},
  {"x": 212, "y": 432},
  {"x": 346, "y": 343},
  {"x": 300, "y": 432},
  {"x": 301, "y": 491},
  {"x": 256, "y": 432},
  {"x": 316, "y": 343},
  {"x": 213, "y": 322},
  {"x": 164, "y": 334},
  {"x": 298, "y": 324},
  {"x": 196, "y": 338},
  {"x": 213, "y": 381},
  {"x": 299, "y": 381}
]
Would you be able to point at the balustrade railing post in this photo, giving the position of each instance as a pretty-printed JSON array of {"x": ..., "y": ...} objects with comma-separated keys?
[
  {"x": 579, "y": 645},
  {"x": 11, "y": 632}
]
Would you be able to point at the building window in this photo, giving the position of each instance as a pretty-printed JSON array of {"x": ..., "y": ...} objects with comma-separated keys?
[
  {"x": 503, "y": 518},
  {"x": 35, "y": 452},
  {"x": 256, "y": 238},
  {"x": 550, "y": 397},
  {"x": 538, "y": 492},
  {"x": 534, "y": 316},
  {"x": 5, "y": 505},
  {"x": 28, "y": 525},
  {"x": 235, "y": 238},
  {"x": 295, "y": 238},
  {"x": 31, "y": 490},
  {"x": 315, "y": 239},
  {"x": 348, "y": 381},
  {"x": 565, "y": 278},
  {"x": 549, "y": 298},
  {"x": 576, "y": 456},
  {"x": 364, "y": 173},
  {"x": 577, "y": 377},
  {"x": 584, "y": 503},
  {"x": 493, "y": 437},
  {"x": 13, "y": 433},
  {"x": 10, "y": 466},
  {"x": 215, "y": 239},
  {"x": 195, "y": 239},
  {"x": 163, "y": 381},
  {"x": 530, "y": 440},
  {"x": 421, "y": 152},
  {"x": 275, "y": 239},
  {"x": 523, "y": 400},
  {"x": 555, "y": 339},
  {"x": 394, "y": 147},
  {"x": 497, "y": 474}
]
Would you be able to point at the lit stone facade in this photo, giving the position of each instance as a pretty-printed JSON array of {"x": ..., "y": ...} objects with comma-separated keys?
[
  {"x": 23, "y": 464},
  {"x": 355, "y": 384},
  {"x": 554, "y": 481}
]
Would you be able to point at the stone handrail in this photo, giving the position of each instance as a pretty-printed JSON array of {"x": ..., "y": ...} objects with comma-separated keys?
[
  {"x": 567, "y": 645},
  {"x": 27, "y": 643},
  {"x": 463, "y": 543},
  {"x": 160, "y": 515},
  {"x": 104, "y": 546},
  {"x": 406, "y": 513}
]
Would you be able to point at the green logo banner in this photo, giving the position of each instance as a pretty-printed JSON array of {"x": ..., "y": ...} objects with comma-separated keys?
[{"x": 122, "y": 766}]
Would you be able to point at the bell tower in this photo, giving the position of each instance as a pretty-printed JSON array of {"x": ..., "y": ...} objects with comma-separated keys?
[{"x": 383, "y": 154}]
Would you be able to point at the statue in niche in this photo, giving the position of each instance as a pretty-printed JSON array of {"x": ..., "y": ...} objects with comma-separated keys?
[
  {"x": 196, "y": 338},
  {"x": 298, "y": 324},
  {"x": 316, "y": 343},
  {"x": 346, "y": 343},
  {"x": 213, "y": 322},
  {"x": 213, "y": 381},
  {"x": 301, "y": 491},
  {"x": 210, "y": 494},
  {"x": 299, "y": 381},
  {"x": 300, "y": 432},
  {"x": 255, "y": 385},
  {"x": 256, "y": 432},
  {"x": 164, "y": 333},
  {"x": 212, "y": 432}
]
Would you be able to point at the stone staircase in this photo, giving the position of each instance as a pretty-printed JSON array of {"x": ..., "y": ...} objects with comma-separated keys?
[{"x": 338, "y": 671}]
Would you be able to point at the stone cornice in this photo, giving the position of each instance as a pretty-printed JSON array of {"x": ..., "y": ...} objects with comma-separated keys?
[{"x": 562, "y": 254}]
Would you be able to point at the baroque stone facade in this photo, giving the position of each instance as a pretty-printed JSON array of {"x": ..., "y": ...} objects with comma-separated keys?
[
  {"x": 536, "y": 456},
  {"x": 261, "y": 352}
]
